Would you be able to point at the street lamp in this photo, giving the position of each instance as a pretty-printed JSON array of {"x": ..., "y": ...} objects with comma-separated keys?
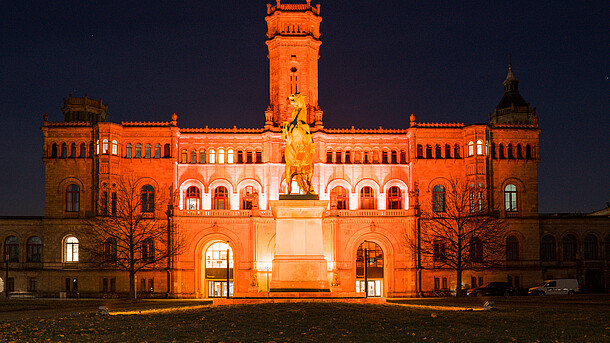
[
  {"x": 366, "y": 274},
  {"x": 228, "y": 288},
  {"x": 6, "y": 277}
]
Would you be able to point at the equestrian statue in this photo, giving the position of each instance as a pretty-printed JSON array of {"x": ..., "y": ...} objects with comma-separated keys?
[{"x": 300, "y": 148}]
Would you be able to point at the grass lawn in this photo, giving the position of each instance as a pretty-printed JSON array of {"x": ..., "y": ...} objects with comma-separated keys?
[{"x": 580, "y": 318}]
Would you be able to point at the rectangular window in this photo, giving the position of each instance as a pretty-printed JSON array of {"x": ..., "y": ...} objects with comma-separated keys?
[
  {"x": 151, "y": 285},
  {"x": 10, "y": 284},
  {"x": 33, "y": 285},
  {"x": 240, "y": 156},
  {"x": 329, "y": 157},
  {"x": 75, "y": 285},
  {"x": 339, "y": 157},
  {"x": 348, "y": 157},
  {"x": 105, "y": 285},
  {"x": 445, "y": 283},
  {"x": 437, "y": 283},
  {"x": 249, "y": 157},
  {"x": 142, "y": 285},
  {"x": 384, "y": 157},
  {"x": 113, "y": 204},
  {"x": 113, "y": 285},
  {"x": 259, "y": 157}
]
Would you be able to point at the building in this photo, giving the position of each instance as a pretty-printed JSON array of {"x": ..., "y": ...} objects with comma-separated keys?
[{"x": 220, "y": 182}]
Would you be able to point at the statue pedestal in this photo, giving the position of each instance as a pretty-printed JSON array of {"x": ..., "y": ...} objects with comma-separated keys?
[{"x": 299, "y": 264}]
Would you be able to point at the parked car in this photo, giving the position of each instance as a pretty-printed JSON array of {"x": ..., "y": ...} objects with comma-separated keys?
[
  {"x": 556, "y": 286},
  {"x": 492, "y": 288}
]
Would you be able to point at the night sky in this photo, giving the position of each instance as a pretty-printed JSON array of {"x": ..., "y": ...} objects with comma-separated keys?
[{"x": 380, "y": 61}]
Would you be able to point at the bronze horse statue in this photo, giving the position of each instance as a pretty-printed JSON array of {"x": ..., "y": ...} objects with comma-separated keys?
[{"x": 300, "y": 148}]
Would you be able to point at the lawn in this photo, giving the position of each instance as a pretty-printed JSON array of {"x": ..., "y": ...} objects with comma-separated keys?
[{"x": 578, "y": 318}]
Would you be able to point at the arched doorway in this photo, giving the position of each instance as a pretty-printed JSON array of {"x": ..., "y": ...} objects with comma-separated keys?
[
  {"x": 214, "y": 269},
  {"x": 369, "y": 266}
]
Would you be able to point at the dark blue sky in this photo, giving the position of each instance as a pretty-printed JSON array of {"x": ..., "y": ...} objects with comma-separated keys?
[{"x": 443, "y": 61}]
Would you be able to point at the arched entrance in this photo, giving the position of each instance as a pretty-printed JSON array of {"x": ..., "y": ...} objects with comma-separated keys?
[
  {"x": 214, "y": 269},
  {"x": 369, "y": 267}
]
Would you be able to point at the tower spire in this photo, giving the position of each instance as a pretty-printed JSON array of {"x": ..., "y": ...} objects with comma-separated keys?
[{"x": 512, "y": 109}]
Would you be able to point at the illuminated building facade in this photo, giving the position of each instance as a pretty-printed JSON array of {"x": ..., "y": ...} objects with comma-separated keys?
[{"x": 221, "y": 181}]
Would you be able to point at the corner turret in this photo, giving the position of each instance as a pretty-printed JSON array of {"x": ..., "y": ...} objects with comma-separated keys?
[{"x": 84, "y": 110}]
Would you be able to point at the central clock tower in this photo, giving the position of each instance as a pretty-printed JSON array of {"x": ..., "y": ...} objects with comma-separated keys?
[{"x": 293, "y": 32}]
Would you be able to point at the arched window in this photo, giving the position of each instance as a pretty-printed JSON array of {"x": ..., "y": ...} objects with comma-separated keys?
[
  {"x": 342, "y": 197},
  {"x": 493, "y": 150},
  {"x": 294, "y": 78},
  {"x": 147, "y": 150},
  {"x": 212, "y": 156},
  {"x": 437, "y": 151},
  {"x": 202, "y": 156},
  {"x": 591, "y": 251},
  {"x": 501, "y": 152},
  {"x": 548, "y": 250},
  {"x": 221, "y": 198},
  {"x": 166, "y": 151},
  {"x": 528, "y": 152},
  {"x": 54, "y": 150},
  {"x": 394, "y": 156},
  {"x": 148, "y": 250},
  {"x": 110, "y": 250},
  {"x": 83, "y": 150},
  {"x": 519, "y": 152},
  {"x": 439, "y": 252},
  {"x": 470, "y": 148},
  {"x": 370, "y": 254},
  {"x": 247, "y": 198},
  {"x": 221, "y": 156},
  {"x": 193, "y": 156},
  {"x": 384, "y": 157},
  {"x": 512, "y": 248},
  {"x": 72, "y": 198},
  {"x": 510, "y": 198},
  {"x": 259, "y": 156},
  {"x": 568, "y": 247},
  {"x": 395, "y": 198},
  {"x": 607, "y": 247},
  {"x": 420, "y": 151},
  {"x": 128, "y": 151},
  {"x": 115, "y": 147},
  {"x": 230, "y": 156},
  {"x": 34, "y": 249},
  {"x": 105, "y": 146},
  {"x": 329, "y": 157},
  {"x": 476, "y": 250},
  {"x": 184, "y": 156},
  {"x": 193, "y": 199},
  {"x": 73, "y": 150},
  {"x": 510, "y": 152},
  {"x": 157, "y": 150},
  {"x": 367, "y": 198},
  {"x": 138, "y": 150},
  {"x": 438, "y": 198},
  {"x": 348, "y": 156},
  {"x": 148, "y": 198},
  {"x": 457, "y": 151},
  {"x": 11, "y": 249},
  {"x": 447, "y": 151},
  {"x": 71, "y": 249},
  {"x": 479, "y": 147},
  {"x": 429, "y": 151},
  {"x": 90, "y": 150},
  {"x": 64, "y": 150}
]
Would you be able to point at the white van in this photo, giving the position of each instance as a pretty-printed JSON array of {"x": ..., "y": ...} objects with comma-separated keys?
[{"x": 556, "y": 286}]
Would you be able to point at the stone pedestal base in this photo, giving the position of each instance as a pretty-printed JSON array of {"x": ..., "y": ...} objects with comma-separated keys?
[
  {"x": 305, "y": 273},
  {"x": 299, "y": 264}
]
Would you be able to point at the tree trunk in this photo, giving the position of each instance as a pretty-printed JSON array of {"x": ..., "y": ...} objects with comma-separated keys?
[
  {"x": 132, "y": 285},
  {"x": 458, "y": 287}
]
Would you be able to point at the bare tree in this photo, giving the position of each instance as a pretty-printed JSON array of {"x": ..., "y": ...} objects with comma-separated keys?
[
  {"x": 128, "y": 234},
  {"x": 459, "y": 231}
]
